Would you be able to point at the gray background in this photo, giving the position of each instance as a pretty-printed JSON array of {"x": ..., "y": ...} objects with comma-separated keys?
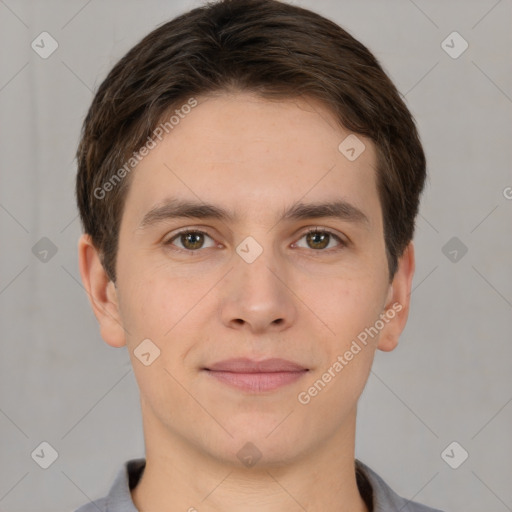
[{"x": 449, "y": 379}]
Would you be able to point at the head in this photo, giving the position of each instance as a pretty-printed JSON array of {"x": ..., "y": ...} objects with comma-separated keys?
[{"x": 244, "y": 108}]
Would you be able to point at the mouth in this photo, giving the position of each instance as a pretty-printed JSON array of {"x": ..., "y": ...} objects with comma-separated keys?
[{"x": 256, "y": 376}]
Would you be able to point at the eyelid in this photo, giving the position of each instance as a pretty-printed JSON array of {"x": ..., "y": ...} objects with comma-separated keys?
[
  {"x": 192, "y": 229},
  {"x": 343, "y": 242}
]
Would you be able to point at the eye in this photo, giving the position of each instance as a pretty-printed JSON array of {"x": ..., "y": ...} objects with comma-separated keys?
[
  {"x": 191, "y": 240},
  {"x": 318, "y": 239}
]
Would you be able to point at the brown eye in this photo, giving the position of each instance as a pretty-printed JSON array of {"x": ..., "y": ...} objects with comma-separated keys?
[
  {"x": 318, "y": 239},
  {"x": 189, "y": 240},
  {"x": 192, "y": 240}
]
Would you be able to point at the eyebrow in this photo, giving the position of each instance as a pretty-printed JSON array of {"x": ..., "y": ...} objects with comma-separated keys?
[{"x": 174, "y": 208}]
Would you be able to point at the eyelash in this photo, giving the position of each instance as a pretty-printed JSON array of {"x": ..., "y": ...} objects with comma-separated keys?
[{"x": 342, "y": 243}]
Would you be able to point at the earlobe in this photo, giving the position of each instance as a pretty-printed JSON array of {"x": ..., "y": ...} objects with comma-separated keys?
[
  {"x": 398, "y": 301},
  {"x": 101, "y": 292}
]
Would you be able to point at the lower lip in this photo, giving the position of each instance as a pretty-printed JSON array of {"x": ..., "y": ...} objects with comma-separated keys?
[{"x": 257, "y": 382}]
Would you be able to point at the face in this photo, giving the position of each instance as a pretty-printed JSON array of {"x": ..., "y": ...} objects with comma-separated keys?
[{"x": 268, "y": 272}]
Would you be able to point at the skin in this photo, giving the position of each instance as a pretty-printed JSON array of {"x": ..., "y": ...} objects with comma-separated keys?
[{"x": 296, "y": 301}]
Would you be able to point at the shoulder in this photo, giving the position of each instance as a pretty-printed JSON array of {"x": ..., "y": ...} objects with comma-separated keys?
[
  {"x": 387, "y": 500},
  {"x": 119, "y": 497},
  {"x": 94, "y": 506}
]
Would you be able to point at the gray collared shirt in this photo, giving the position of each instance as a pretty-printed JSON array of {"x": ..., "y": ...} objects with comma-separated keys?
[{"x": 378, "y": 495}]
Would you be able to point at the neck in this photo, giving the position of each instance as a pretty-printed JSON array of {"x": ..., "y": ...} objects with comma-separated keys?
[{"x": 180, "y": 475}]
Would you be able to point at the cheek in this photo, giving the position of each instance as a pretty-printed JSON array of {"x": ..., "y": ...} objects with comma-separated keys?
[
  {"x": 349, "y": 308},
  {"x": 157, "y": 309},
  {"x": 174, "y": 313},
  {"x": 346, "y": 305},
  {"x": 147, "y": 308}
]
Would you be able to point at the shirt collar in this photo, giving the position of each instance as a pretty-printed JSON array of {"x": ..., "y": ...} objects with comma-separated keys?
[{"x": 382, "y": 497}]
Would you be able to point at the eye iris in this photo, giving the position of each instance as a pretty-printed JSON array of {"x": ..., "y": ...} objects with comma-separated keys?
[
  {"x": 316, "y": 239},
  {"x": 192, "y": 240},
  {"x": 315, "y": 235}
]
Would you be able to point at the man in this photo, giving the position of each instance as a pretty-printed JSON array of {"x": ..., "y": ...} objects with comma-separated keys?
[{"x": 248, "y": 182}]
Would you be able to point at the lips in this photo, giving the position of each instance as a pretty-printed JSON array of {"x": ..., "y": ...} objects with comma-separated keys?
[
  {"x": 245, "y": 365},
  {"x": 256, "y": 376}
]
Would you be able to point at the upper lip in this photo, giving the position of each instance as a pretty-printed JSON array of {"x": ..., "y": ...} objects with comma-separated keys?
[{"x": 245, "y": 365}]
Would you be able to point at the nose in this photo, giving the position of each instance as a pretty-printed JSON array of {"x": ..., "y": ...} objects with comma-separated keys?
[{"x": 256, "y": 296}]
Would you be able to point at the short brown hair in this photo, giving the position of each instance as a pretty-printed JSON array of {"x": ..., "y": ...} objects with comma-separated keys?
[{"x": 265, "y": 46}]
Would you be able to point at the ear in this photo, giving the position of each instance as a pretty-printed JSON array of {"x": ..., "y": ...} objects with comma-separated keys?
[
  {"x": 102, "y": 293},
  {"x": 398, "y": 301}
]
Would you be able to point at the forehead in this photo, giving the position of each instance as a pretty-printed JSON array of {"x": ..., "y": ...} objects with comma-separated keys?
[{"x": 257, "y": 154}]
